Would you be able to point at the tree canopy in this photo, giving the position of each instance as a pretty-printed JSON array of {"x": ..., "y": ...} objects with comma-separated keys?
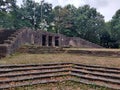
[{"x": 85, "y": 21}]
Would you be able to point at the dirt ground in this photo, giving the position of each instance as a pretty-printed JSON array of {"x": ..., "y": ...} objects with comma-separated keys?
[
  {"x": 25, "y": 58},
  {"x": 62, "y": 86}
]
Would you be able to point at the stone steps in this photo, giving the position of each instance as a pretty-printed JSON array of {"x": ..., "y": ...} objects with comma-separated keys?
[
  {"x": 12, "y": 76},
  {"x": 40, "y": 50}
]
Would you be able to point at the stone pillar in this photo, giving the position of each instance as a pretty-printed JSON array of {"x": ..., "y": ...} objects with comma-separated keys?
[
  {"x": 59, "y": 41},
  {"x": 53, "y": 41},
  {"x": 40, "y": 39},
  {"x": 47, "y": 40},
  {"x": 32, "y": 39}
]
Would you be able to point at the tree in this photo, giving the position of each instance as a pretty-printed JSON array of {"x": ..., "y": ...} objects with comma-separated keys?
[
  {"x": 65, "y": 19},
  {"x": 31, "y": 13},
  {"x": 105, "y": 39},
  {"x": 84, "y": 22},
  {"x": 69, "y": 22},
  {"x": 90, "y": 23},
  {"x": 56, "y": 18},
  {"x": 6, "y": 6},
  {"x": 115, "y": 26}
]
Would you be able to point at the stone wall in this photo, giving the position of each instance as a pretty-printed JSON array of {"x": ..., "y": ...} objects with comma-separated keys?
[
  {"x": 64, "y": 41},
  {"x": 14, "y": 39},
  {"x": 4, "y": 34},
  {"x": 38, "y": 38},
  {"x": 79, "y": 42}
]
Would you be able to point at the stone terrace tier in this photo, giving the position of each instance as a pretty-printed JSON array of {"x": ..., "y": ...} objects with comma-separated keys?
[{"x": 11, "y": 40}]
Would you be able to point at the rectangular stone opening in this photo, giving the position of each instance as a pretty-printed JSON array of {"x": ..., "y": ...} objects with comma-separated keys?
[
  {"x": 50, "y": 40},
  {"x": 44, "y": 40},
  {"x": 56, "y": 41}
]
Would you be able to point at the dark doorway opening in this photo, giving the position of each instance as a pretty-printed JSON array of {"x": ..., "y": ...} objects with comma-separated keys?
[
  {"x": 56, "y": 41},
  {"x": 50, "y": 40},
  {"x": 43, "y": 40}
]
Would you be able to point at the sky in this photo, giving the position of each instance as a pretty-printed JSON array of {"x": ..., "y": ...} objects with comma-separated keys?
[{"x": 106, "y": 7}]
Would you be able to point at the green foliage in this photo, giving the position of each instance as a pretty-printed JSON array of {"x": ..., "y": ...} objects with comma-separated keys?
[
  {"x": 105, "y": 39},
  {"x": 30, "y": 9},
  {"x": 115, "y": 26},
  {"x": 5, "y": 19},
  {"x": 84, "y": 22},
  {"x": 16, "y": 17},
  {"x": 64, "y": 19},
  {"x": 110, "y": 37},
  {"x": 6, "y": 6},
  {"x": 90, "y": 23}
]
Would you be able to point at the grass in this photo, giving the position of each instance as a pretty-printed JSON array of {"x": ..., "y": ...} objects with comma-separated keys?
[
  {"x": 25, "y": 58},
  {"x": 62, "y": 86}
]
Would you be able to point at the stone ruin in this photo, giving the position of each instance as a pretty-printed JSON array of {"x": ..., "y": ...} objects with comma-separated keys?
[{"x": 11, "y": 40}]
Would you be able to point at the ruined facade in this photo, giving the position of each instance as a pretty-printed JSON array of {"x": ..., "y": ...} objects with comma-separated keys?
[{"x": 11, "y": 40}]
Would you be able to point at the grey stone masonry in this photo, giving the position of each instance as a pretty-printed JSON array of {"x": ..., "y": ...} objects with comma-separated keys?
[{"x": 11, "y": 40}]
